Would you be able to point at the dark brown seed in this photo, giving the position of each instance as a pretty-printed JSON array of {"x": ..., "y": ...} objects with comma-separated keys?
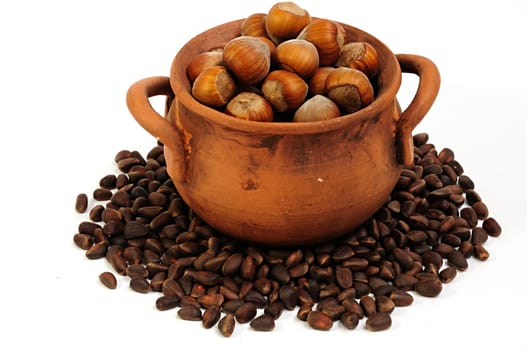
[
  {"x": 88, "y": 227},
  {"x": 83, "y": 240},
  {"x": 228, "y": 293},
  {"x": 379, "y": 322},
  {"x": 334, "y": 311},
  {"x": 190, "y": 313},
  {"x": 481, "y": 210},
  {"x": 303, "y": 311},
  {"x": 403, "y": 258},
  {"x": 102, "y": 194},
  {"x": 466, "y": 182},
  {"x": 472, "y": 197},
  {"x": 299, "y": 270},
  {"x": 232, "y": 264},
  {"x": 447, "y": 224},
  {"x": 157, "y": 199},
  {"x": 118, "y": 262},
  {"x": 325, "y": 302},
  {"x": 480, "y": 252},
  {"x": 149, "y": 211},
  {"x": 420, "y": 139},
  {"x": 443, "y": 249},
  {"x": 405, "y": 281},
  {"x": 211, "y": 299},
  {"x": 368, "y": 305},
  {"x": 139, "y": 285},
  {"x": 344, "y": 277},
  {"x": 349, "y": 320},
  {"x": 416, "y": 236},
  {"x": 97, "y": 251},
  {"x": 245, "y": 313},
  {"x": 429, "y": 287},
  {"x": 113, "y": 227},
  {"x": 356, "y": 264},
  {"x": 110, "y": 214},
  {"x": 126, "y": 164},
  {"x": 248, "y": 268},
  {"x": 231, "y": 306},
  {"x": 492, "y": 227},
  {"x": 279, "y": 273},
  {"x": 108, "y": 279},
  {"x": 108, "y": 182},
  {"x": 206, "y": 278},
  {"x": 160, "y": 221},
  {"x": 401, "y": 298},
  {"x": 288, "y": 296},
  {"x": 122, "y": 180},
  {"x": 81, "y": 203},
  {"x": 433, "y": 181},
  {"x": 448, "y": 274},
  {"x": 122, "y": 155},
  {"x": 211, "y": 316},
  {"x": 384, "y": 304},
  {"x": 188, "y": 300},
  {"x": 226, "y": 325},
  {"x": 274, "y": 309},
  {"x": 134, "y": 229},
  {"x": 467, "y": 249},
  {"x": 319, "y": 321},
  {"x": 469, "y": 214},
  {"x": 96, "y": 212},
  {"x": 100, "y": 236},
  {"x": 351, "y": 305},
  {"x": 342, "y": 252},
  {"x": 408, "y": 208},
  {"x": 417, "y": 186},
  {"x": 451, "y": 239},
  {"x": 256, "y": 297},
  {"x": 263, "y": 323},
  {"x": 479, "y": 235},
  {"x": 167, "y": 302},
  {"x": 457, "y": 259},
  {"x": 121, "y": 199},
  {"x": 431, "y": 257}
]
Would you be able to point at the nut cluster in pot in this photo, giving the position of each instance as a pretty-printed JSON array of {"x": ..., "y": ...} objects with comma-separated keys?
[{"x": 286, "y": 66}]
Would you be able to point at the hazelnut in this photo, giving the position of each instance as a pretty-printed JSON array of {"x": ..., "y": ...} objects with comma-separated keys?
[
  {"x": 317, "y": 83},
  {"x": 298, "y": 56},
  {"x": 248, "y": 58},
  {"x": 204, "y": 60},
  {"x": 317, "y": 108},
  {"x": 285, "y": 90},
  {"x": 361, "y": 56},
  {"x": 349, "y": 88},
  {"x": 250, "y": 106},
  {"x": 254, "y": 25},
  {"x": 285, "y": 20},
  {"x": 328, "y": 38},
  {"x": 214, "y": 87}
]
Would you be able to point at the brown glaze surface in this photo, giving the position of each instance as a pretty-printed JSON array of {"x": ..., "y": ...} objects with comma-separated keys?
[{"x": 284, "y": 183}]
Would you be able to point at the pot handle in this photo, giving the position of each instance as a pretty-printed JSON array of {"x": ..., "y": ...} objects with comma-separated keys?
[
  {"x": 429, "y": 81},
  {"x": 143, "y": 112}
]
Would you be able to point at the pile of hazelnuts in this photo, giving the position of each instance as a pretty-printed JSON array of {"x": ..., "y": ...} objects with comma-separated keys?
[{"x": 286, "y": 66}]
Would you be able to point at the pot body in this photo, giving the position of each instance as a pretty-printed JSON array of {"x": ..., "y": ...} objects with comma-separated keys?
[
  {"x": 284, "y": 184},
  {"x": 287, "y": 189}
]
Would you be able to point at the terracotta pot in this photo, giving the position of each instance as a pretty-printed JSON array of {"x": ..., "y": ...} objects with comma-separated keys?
[{"x": 285, "y": 184}]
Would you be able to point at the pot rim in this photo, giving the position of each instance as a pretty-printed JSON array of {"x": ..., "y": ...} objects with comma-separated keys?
[{"x": 181, "y": 87}]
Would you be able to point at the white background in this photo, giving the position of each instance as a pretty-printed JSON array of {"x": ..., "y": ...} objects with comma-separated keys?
[{"x": 65, "y": 67}]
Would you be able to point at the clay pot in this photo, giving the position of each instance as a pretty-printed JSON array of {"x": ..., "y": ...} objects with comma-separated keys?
[{"x": 285, "y": 184}]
